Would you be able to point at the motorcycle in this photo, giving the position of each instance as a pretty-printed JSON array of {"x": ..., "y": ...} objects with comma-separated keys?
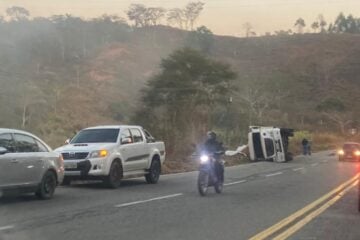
[{"x": 207, "y": 175}]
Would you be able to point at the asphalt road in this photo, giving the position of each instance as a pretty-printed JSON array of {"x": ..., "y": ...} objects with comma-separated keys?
[{"x": 256, "y": 197}]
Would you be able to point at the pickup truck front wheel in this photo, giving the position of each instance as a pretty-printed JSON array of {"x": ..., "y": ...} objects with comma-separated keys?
[
  {"x": 113, "y": 180},
  {"x": 154, "y": 172}
]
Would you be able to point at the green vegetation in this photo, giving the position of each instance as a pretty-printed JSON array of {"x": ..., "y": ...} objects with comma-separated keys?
[{"x": 180, "y": 101}]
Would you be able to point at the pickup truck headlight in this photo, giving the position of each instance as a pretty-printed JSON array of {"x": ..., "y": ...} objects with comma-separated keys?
[{"x": 99, "y": 154}]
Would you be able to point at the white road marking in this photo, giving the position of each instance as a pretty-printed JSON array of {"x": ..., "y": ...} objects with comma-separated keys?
[
  {"x": 6, "y": 228},
  {"x": 298, "y": 169},
  {"x": 274, "y": 174},
  {"x": 314, "y": 164},
  {"x": 148, "y": 200},
  {"x": 233, "y": 183}
]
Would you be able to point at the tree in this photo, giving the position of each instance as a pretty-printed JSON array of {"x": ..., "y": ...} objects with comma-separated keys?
[
  {"x": 181, "y": 98},
  {"x": 352, "y": 26},
  {"x": 111, "y": 19},
  {"x": 247, "y": 27},
  {"x": 192, "y": 12},
  {"x": 154, "y": 15},
  {"x": 315, "y": 26},
  {"x": 283, "y": 32},
  {"x": 137, "y": 13},
  {"x": 16, "y": 13},
  {"x": 300, "y": 25},
  {"x": 340, "y": 24},
  {"x": 335, "y": 110},
  {"x": 202, "y": 39},
  {"x": 347, "y": 24},
  {"x": 176, "y": 16},
  {"x": 322, "y": 23}
]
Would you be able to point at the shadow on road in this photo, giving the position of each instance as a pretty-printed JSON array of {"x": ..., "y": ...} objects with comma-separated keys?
[
  {"x": 101, "y": 186},
  {"x": 13, "y": 197}
]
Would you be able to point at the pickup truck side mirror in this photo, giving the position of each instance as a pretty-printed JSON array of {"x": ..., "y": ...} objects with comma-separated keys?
[
  {"x": 126, "y": 140},
  {"x": 67, "y": 141},
  {"x": 3, "y": 151}
]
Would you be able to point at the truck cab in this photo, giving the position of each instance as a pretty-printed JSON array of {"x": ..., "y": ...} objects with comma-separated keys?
[{"x": 269, "y": 143}]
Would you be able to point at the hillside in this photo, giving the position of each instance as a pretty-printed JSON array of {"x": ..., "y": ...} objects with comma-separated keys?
[{"x": 55, "y": 81}]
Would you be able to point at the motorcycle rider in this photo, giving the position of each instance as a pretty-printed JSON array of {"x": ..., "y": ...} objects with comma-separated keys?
[{"x": 213, "y": 146}]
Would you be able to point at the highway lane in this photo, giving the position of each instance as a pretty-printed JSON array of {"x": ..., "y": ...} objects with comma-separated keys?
[{"x": 256, "y": 197}]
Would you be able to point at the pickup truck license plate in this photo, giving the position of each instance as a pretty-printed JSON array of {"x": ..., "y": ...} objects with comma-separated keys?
[{"x": 70, "y": 165}]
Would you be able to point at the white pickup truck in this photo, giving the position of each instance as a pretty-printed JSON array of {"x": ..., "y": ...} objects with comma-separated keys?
[{"x": 111, "y": 153}]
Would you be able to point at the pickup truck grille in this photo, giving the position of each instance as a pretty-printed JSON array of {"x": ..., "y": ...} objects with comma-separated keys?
[{"x": 75, "y": 155}]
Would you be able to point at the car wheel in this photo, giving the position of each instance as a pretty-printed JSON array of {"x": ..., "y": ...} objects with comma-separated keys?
[
  {"x": 154, "y": 172},
  {"x": 47, "y": 186},
  {"x": 113, "y": 180},
  {"x": 66, "y": 182}
]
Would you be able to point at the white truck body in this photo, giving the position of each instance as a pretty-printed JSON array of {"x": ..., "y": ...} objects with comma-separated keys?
[
  {"x": 134, "y": 147},
  {"x": 269, "y": 143}
]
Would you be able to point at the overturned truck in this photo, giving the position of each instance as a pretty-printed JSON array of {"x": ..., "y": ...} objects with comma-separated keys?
[{"x": 269, "y": 144}]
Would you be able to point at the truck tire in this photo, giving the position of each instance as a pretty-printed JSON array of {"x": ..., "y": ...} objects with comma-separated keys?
[
  {"x": 47, "y": 186},
  {"x": 113, "y": 180},
  {"x": 154, "y": 172}
]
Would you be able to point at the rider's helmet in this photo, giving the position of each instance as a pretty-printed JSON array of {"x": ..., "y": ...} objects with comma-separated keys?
[{"x": 211, "y": 135}]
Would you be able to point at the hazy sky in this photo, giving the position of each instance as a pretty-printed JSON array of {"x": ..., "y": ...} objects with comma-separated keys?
[{"x": 221, "y": 16}]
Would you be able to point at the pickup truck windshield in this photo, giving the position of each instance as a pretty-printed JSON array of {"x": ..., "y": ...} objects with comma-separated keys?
[{"x": 96, "y": 136}]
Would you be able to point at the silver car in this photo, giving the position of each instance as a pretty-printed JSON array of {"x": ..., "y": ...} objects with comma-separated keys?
[{"x": 27, "y": 164}]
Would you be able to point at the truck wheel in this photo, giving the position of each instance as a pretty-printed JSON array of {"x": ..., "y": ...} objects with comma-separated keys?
[
  {"x": 113, "y": 180},
  {"x": 47, "y": 186},
  {"x": 154, "y": 172},
  {"x": 66, "y": 182}
]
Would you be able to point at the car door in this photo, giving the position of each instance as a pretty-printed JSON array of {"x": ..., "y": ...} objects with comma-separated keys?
[
  {"x": 7, "y": 167},
  {"x": 141, "y": 152},
  {"x": 30, "y": 159},
  {"x": 127, "y": 150}
]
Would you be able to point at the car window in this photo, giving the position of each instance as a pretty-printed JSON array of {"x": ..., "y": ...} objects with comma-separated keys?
[
  {"x": 148, "y": 136},
  {"x": 25, "y": 143},
  {"x": 41, "y": 146},
  {"x": 125, "y": 134},
  {"x": 6, "y": 141},
  {"x": 96, "y": 136},
  {"x": 137, "y": 136}
]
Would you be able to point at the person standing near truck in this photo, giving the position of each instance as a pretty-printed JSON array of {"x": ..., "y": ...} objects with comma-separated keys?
[{"x": 305, "y": 145}]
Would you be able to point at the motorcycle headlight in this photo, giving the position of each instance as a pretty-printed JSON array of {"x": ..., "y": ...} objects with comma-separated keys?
[
  {"x": 204, "y": 159},
  {"x": 99, "y": 154},
  {"x": 357, "y": 153},
  {"x": 341, "y": 152}
]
